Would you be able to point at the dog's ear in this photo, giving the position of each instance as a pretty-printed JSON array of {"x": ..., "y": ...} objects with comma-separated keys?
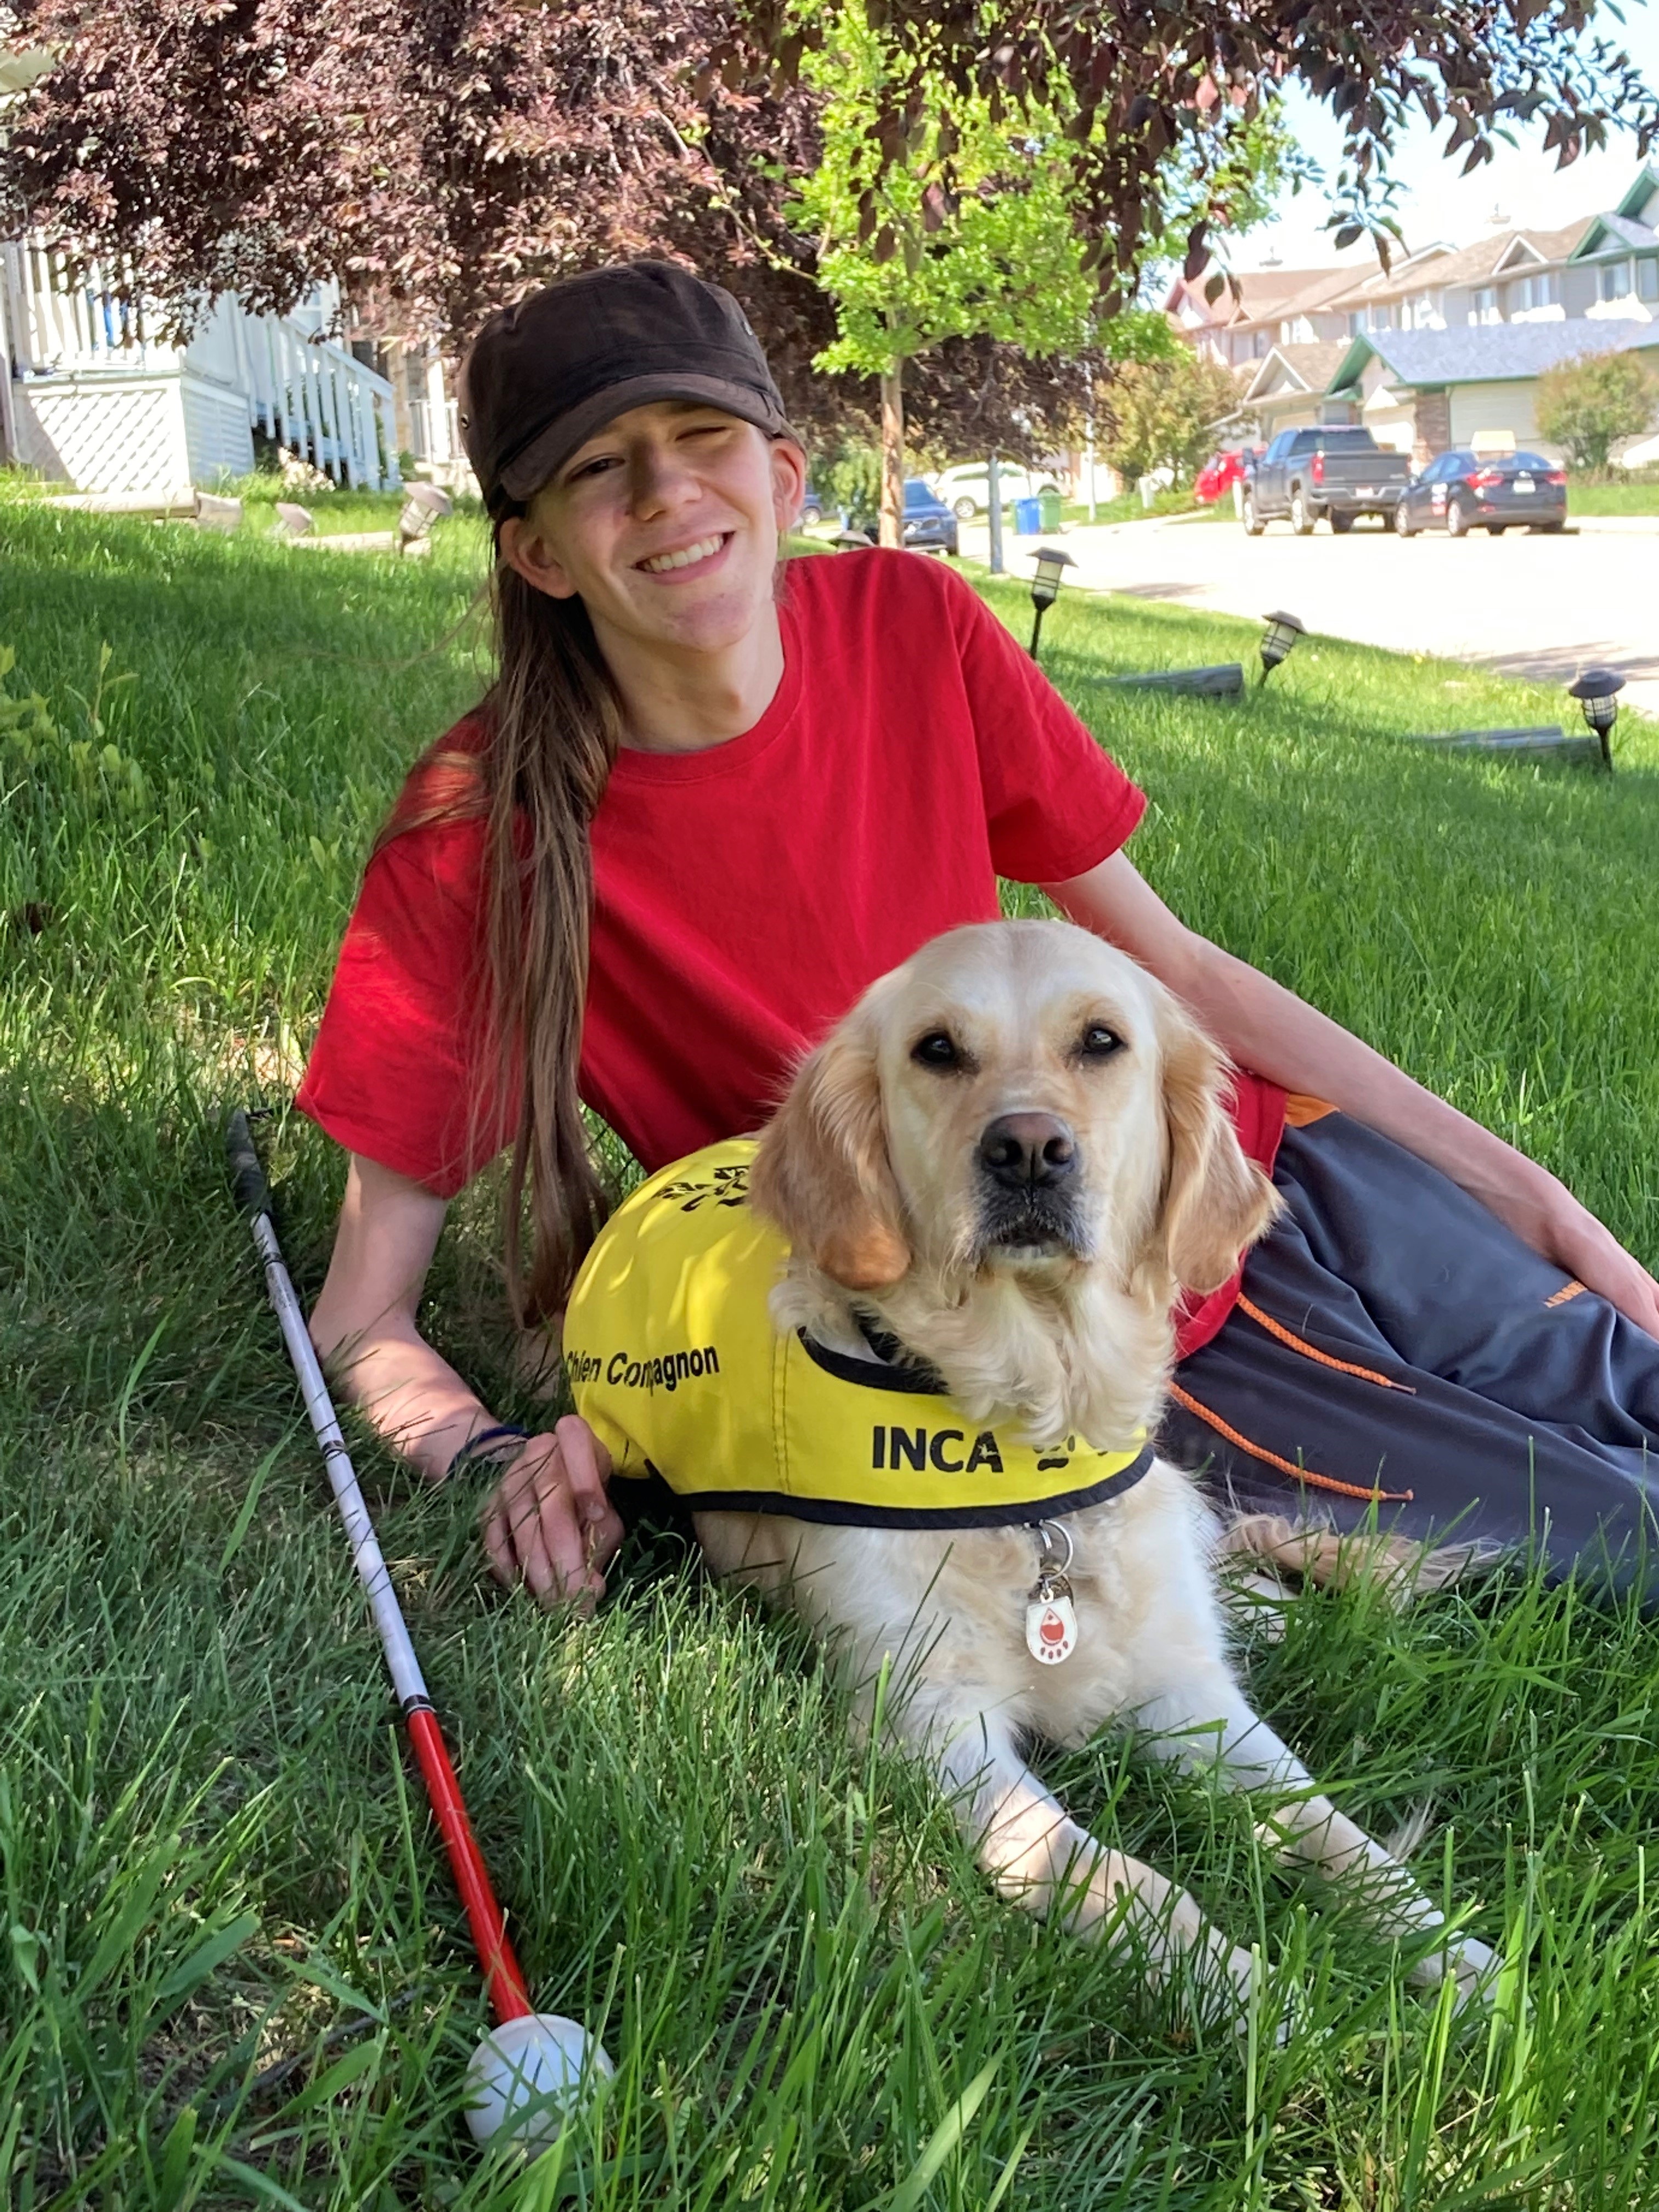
[
  {"x": 1216, "y": 1202},
  {"x": 823, "y": 1173}
]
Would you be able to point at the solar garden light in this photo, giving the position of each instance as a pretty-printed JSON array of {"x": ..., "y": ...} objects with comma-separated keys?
[
  {"x": 1051, "y": 567},
  {"x": 425, "y": 503},
  {"x": 1277, "y": 644},
  {"x": 1597, "y": 692}
]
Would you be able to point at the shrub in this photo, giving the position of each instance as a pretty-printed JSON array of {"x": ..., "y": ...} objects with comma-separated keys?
[
  {"x": 1164, "y": 414},
  {"x": 1590, "y": 405}
]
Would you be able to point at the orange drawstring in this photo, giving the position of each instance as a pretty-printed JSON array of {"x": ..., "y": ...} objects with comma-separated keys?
[
  {"x": 1308, "y": 1351},
  {"x": 1289, "y": 1467}
]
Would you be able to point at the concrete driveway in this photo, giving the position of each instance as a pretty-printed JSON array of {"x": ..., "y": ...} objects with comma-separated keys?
[{"x": 1544, "y": 607}]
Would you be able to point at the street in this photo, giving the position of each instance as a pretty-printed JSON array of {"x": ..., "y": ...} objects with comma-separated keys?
[{"x": 1543, "y": 607}]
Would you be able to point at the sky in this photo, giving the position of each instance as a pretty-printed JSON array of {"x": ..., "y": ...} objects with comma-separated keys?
[{"x": 1520, "y": 187}]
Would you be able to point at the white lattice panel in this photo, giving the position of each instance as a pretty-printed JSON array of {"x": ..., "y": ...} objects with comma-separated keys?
[
  {"x": 100, "y": 403},
  {"x": 123, "y": 435}
]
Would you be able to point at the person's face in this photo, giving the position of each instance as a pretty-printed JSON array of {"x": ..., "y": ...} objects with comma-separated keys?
[{"x": 666, "y": 524}]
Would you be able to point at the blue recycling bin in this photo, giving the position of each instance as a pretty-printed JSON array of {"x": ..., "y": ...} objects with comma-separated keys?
[{"x": 1028, "y": 518}]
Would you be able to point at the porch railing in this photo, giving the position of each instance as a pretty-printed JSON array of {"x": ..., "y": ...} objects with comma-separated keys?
[
  {"x": 308, "y": 393},
  {"x": 319, "y": 401}
]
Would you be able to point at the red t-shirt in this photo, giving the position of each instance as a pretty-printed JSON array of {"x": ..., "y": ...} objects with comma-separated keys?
[{"x": 745, "y": 896}]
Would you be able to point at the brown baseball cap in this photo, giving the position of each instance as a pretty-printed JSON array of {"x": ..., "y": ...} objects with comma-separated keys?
[{"x": 541, "y": 376}]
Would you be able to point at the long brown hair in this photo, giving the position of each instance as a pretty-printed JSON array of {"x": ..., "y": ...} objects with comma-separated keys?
[{"x": 552, "y": 724}]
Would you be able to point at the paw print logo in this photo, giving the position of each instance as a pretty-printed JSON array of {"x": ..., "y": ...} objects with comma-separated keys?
[{"x": 1060, "y": 1457}]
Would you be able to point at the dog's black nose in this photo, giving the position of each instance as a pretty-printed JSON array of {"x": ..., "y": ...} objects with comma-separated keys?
[{"x": 1028, "y": 1151}]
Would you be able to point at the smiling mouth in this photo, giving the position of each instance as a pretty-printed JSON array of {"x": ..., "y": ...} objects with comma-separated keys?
[{"x": 664, "y": 564}]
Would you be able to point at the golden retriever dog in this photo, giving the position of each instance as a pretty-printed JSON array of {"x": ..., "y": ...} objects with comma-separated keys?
[{"x": 1005, "y": 1165}]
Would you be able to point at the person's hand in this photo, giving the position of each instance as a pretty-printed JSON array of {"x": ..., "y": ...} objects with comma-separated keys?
[
  {"x": 1571, "y": 1235},
  {"x": 549, "y": 1520}
]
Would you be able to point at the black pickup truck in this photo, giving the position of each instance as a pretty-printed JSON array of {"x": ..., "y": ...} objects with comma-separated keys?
[{"x": 1329, "y": 469}]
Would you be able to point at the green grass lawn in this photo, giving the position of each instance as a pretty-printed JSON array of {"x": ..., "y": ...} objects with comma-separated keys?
[
  {"x": 1612, "y": 499},
  {"x": 1129, "y": 507},
  {"x": 216, "y": 1862}
]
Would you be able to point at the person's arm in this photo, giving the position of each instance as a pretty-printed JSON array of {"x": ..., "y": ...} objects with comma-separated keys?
[
  {"x": 1264, "y": 1027},
  {"x": 549, "y": 1518}
]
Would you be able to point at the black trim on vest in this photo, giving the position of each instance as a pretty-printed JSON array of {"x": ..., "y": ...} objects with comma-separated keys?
[
  {"x": 838, "y": 1514},
  {"x": 917, "y": 1382}
]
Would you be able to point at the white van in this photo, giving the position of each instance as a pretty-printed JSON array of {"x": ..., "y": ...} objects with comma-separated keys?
[{"x": 966, "y": 491}]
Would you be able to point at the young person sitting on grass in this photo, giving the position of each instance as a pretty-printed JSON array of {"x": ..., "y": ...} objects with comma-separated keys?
[{"x": 706, "y": 802}]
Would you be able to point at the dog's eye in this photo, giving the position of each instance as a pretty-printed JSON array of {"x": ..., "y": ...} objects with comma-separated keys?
[
  {"x": 1098, "y": 1042},
  {"x": 937, "y": 1049}
]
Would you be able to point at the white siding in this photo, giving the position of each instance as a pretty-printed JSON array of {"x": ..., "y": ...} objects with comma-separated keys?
[{"x": 217, "y": 433}]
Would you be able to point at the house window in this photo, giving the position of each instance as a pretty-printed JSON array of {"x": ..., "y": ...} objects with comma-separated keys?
[
  {"x": 1647, "y": 280},
  {"x": 1542, "y": 291},
  {"x": 1615, "y": 279},
  {"x": 1484, "y": 304}
]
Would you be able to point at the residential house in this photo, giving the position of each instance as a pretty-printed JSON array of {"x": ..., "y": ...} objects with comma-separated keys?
[
  {"x": 95, "y": 395},
  {"x": 1251, "y": 314},
  {"x": 1618, "y": 256},
  {"x": 1419, "y": 392},
  {"x": 1447, "y": 342},
  {"x": 1287, "y": 390},
  {"x": 1515, "y": 275}
]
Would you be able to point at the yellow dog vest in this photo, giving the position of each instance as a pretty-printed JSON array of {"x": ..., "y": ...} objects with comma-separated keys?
[{"x": 674, "y": 1361}]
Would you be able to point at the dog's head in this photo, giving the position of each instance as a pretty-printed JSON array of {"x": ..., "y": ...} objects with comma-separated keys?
[{"x": 1018, "y": 1098}]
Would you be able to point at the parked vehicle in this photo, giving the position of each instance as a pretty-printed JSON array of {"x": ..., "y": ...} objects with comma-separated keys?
[
  {"x": 1330, "y": 469},
  {"x": 1461, "y": 489},
  {"x": 929, "y": 525},
  {"x": 966, "y": 490},
  {"x": 811, "y": 508},
  {"x": 1219, "y": 474}
]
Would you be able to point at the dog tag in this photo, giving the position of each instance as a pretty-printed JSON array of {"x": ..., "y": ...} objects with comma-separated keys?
[{"x": 1050, "y": 1621}]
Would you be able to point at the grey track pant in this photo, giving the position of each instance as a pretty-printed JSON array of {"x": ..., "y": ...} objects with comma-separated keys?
[{"x": 1394, "y": 1337}]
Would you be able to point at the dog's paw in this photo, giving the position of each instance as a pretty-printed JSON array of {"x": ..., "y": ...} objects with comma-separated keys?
[{"x": 1473, "y": 1965}]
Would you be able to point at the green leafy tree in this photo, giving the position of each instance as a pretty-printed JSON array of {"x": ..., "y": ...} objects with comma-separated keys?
[
  {"x": 1164, "y": 415},
  {"x": 1590, "y": 405},
  {"x": 1141, "y": 86},
  {"x": 910, "y": 260}
]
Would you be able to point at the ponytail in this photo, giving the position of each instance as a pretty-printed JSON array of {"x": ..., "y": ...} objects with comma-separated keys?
[{"x": 553, "y": 724}]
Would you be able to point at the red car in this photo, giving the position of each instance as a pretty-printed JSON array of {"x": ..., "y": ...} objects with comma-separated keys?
[{"x": 1219, "y": 474}]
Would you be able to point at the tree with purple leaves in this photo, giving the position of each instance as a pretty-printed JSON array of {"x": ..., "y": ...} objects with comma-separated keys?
[{"x": 435, "y": 157}]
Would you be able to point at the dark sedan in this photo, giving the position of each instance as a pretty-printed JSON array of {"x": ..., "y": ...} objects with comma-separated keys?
[
  {"x": 1461, "y": 491},
  {"x": 929, "y": 526}
]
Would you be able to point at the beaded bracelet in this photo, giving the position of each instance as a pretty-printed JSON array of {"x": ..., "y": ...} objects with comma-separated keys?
[{"x": 485, "y": 1441}]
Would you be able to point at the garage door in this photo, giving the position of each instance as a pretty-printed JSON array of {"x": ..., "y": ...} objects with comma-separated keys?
[{"x": 1477, "y": 407}]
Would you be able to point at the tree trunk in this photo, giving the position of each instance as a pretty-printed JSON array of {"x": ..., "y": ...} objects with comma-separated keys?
[{"x": 892, "y": 454}]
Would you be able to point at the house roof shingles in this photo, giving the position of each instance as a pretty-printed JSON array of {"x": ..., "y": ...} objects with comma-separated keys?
[
  {"x": 1269, "y": 295},
  {"x": 1487, "y": 353},
  {"x": 1311, "y": 365},
  {"x": 1620, "y": 230},
  {"x": 1466, "y": 264}
]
